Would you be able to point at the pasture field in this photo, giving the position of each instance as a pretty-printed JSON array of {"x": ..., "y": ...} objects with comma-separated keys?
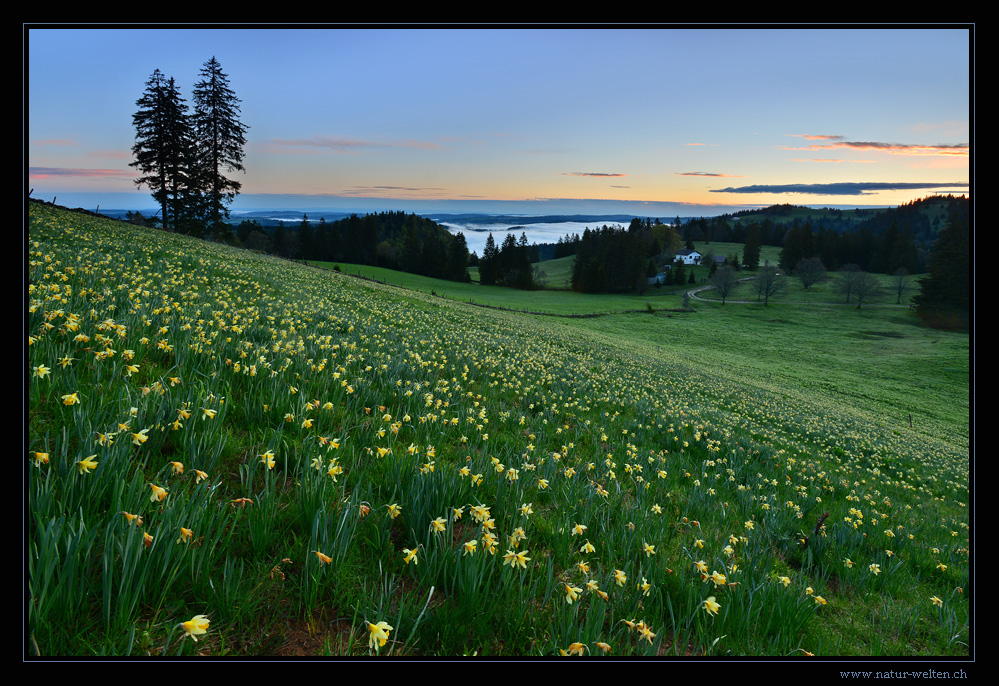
[{"x": 233, "y": 455}]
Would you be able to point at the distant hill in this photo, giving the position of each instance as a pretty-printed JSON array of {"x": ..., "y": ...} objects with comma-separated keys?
[{"x": 486, "y": 219}]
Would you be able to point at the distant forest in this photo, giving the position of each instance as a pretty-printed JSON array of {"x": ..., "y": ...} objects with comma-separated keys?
[
  {"x": 876, "y": 241},
  {"x": 394, "y": 240}
]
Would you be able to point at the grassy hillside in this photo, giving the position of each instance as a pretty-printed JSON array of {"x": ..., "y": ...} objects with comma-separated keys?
[{"x": 230, "y": 454}]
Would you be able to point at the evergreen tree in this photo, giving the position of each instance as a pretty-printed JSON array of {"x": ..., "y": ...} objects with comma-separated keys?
[
  {"x": 163, "y": 147},
  {"x": 489, "y": 262},
  {"x": 945, "y": 294},
  {"x": 751, "y": 250},
  {"x": 220, "y": 137},
  {"x": 458, "y": 259}
]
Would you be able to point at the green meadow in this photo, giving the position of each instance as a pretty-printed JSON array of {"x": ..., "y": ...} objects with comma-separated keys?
[{"x": 234, "y": 455}]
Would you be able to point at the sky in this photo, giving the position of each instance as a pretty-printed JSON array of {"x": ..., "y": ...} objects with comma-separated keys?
[{"x": 651, "y": 121}]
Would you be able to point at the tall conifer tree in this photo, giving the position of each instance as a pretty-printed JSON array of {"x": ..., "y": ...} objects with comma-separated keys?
[
  {"x": 163, "y": 147},
  {"x": 220, "y": 139}
]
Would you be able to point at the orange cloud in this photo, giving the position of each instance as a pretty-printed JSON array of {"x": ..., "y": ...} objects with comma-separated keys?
[
  {"x": 713, "y": 174},
  {"x": 62, "y": 172},
  {"x": 955, "y": 150}
]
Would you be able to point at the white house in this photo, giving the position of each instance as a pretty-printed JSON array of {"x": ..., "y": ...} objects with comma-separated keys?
[{"x": 689, "y": 256}]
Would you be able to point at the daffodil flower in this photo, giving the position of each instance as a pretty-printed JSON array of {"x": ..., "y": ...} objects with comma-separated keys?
[
  {"x": 325, "y": 559},
  {"x": 378, "y": 634},
  {"x": 710, "y": 606},
  {"x": 267, "y": 459},
  {"x": 158, "y": 493},
  {"x": 410, "y": 556},
  {"x": 86, "y": 464},
  {"x": 514, "y": 559},
  {"x": 196, "y": 626}
]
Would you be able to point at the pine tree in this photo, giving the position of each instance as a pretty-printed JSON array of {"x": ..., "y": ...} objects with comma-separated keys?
[
  {"x": 489, "y": 262},
  {"x": 163, "y": 147},
  {"x": 220, "y": 138},
  {"x": 944, "y": 300},
  {"x": 751, "y": 250}
]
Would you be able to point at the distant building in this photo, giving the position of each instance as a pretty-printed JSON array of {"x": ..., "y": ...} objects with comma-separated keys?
[{"x": 689, "y": 256}]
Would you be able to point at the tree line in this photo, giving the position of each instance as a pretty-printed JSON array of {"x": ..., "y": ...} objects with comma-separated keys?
[
  {"x": 507, "y": 265},
  {"x": 184, "y": 153},
  {"x": 394, "y": 240}
]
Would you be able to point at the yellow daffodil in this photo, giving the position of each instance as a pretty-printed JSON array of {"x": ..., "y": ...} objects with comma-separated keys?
[
  {"x": 439, "y": 524},
  {"x": 469, "y": 547},
  {"x": 710, "y": 606},
  {"x": 514, "y": 559},
  {"x": 378, "y": 634},
  {"x": 133, "y": 519},
  {"x": 40, "y": 459},
  {"x": 196, "y": 626},
  {"x": 71, "y": 399},
  {"x": 267, "y": 459},
  {"x": 394, "y": 510},
  {"x": 572, "y": 593},
  {"x": 140, "y": 437},
  {"x": 158, "y": 493},
  {"x": 409, "y": 556},
  {"x": 325, "y": 559},
  {"x": 86, "y": 464},
  {"x": 185, "y": 535},
  {"x": 199, "y": 476},
  {"x": 41, "y": 371},
  {"x": 936, "y": 601}
]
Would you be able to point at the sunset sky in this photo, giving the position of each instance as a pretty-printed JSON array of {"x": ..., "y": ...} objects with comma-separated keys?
[{"x": 546, "y": 120}]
